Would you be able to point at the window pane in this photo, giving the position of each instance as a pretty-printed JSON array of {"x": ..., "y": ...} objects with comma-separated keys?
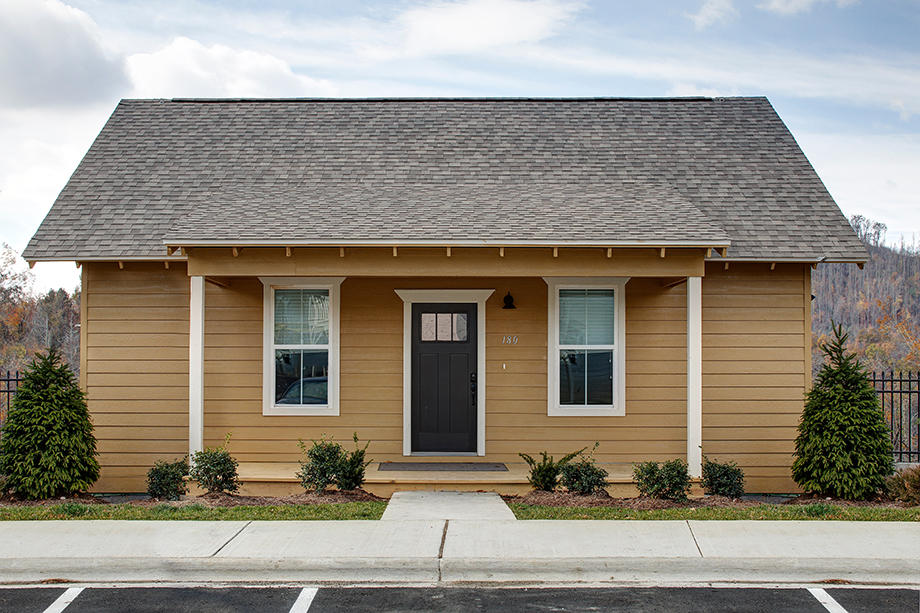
[
  {"x": 288, "y": 308},
  {"x": 460, "y": 327},
  {"x": 301, "y": 316},
  {"x": 287, "y": 376},
  {"x": 315, "y": 376},
  {"x": 571, "y": 377},
  {"x": 599, "y": 313},
  {"x": 315, "y": 316},
  {"x": 599, "y": 377},
  {"x": 444, "y": 326},
  {"x": 428, "y": 327},
  {"x": 571, "y": 317}
]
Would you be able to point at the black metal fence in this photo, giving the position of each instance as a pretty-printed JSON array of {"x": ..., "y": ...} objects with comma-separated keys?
[
  {"x": 8, "y": 386},
  {"x": 899, "y": 393}
]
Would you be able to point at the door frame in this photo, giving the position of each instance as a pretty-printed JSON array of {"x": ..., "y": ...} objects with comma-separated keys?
[{"x": 474, "y": 296}]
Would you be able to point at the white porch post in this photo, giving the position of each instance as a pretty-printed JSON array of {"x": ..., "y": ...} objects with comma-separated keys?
[
  {"x": 196, "y": 365},
  {"x": 695, "y": 375}
]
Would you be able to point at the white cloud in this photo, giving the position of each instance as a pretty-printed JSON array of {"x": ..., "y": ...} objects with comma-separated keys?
[
  {"x": 871, "y": 174},
  {"x": 793, "y": 7},
  {"x": 51, "y": 54},
  {"x": 713, "y": 11},
  {"x": 187, "y": 68},
  {"x": 475, "y": 26}
]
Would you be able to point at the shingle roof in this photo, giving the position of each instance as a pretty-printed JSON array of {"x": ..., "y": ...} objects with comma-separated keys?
[{"x": 594, "y": 171}]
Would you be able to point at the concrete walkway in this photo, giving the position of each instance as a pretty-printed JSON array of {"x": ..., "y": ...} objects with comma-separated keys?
[
  {"x": 405, "y": 506},
  {"x": 461, "y": 550}
]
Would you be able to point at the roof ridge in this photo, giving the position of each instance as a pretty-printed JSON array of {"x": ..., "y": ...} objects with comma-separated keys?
[{"x": 453, "y": 99}]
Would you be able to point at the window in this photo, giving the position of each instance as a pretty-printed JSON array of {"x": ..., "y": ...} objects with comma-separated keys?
[
  {"x": 586, "y": 338},
  {"x": 300, "y": 337}
]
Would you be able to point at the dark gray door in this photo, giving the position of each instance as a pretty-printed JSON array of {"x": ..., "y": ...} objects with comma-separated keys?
[{"x": 444, "y": 377}]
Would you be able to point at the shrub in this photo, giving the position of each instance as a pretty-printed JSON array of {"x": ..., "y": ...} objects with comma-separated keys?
[
  {"x": 166, "y": 480},
  {"x": 723, "y": 478},
  {"x": 215, "y": 469},
  {"x": 584, "y": 477},
  {"x": 904, "y": 485},
  {"x": 47, "y": 447},
  {"x": 670, "y": 480},
  {"x": 324, "y": 459},
  {"x": 843, "y": 448},
  {"x": 544, "y": 475},
  {"x": 350, "y": 472}
]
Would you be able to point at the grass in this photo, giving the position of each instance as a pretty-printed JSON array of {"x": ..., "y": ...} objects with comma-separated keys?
[
  {"x": 816, "y": 511},
  {"x": 71, "y": 510}
]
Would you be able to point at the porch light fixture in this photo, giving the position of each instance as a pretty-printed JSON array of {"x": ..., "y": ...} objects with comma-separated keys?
[{"x": 509, "y": 301}]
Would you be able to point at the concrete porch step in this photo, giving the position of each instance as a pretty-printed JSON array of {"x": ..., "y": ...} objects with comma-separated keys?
[{"x": 277, "y": 478}]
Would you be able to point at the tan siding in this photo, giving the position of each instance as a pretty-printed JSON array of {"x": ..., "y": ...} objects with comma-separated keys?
[
  {"x": 755, "y": 334},
  {"x": 136, "y": 353},
  {"x": 371, "y": 379},
  {"x": 135, "y": 372}
]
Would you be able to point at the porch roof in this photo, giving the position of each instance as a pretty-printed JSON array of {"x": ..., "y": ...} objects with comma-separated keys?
[{"x": 703, "y": 171}]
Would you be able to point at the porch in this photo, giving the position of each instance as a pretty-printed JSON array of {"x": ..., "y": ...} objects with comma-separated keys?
[{"x": 262, "y": 479}]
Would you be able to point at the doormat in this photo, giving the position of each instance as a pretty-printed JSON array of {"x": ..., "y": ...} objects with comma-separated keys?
[{"x": 440, "y": 466}]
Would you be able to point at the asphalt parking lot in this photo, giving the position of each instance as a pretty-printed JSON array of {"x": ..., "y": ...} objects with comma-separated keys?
[{"x": 332, "y": 599}]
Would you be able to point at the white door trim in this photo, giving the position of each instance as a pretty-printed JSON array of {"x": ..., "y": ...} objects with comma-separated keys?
[{"x": 477, "y": 296}]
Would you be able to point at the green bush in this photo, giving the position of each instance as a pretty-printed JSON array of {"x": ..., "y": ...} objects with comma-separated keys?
[
  {"x": 322, "y": 464},
  {"x": 843, "y": 448},
  {"x": 166, "y": 480},
  {"x": 904, "y": 485},
  {"x": 723, "y": 478},
  {"x": 215, "y": 469},
  {"x": 350, "y": 472},
  {"x": 47, "y": 447},
  {"x": 585, "y": 477},
  {"x": 544, "y": 475},
  {"x": 669, "y": 480}
]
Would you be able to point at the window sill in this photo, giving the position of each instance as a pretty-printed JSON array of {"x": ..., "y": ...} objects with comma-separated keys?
[
  {"x": 318, "y": 410},
  {"x": 577, "y": 411}
]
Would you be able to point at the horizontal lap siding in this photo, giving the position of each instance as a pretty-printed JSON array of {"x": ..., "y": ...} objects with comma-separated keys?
[
  {"x": 136, "y": 367},
  {"x": 372, "y": 363},
  {"x": 755, "y": 339}
]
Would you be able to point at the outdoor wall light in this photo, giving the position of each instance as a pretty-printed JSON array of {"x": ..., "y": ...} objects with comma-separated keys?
[{"x": 509, "y": 301}]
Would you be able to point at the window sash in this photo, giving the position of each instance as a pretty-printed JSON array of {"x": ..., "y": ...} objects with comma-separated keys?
[{"x": 616, "y": 285}]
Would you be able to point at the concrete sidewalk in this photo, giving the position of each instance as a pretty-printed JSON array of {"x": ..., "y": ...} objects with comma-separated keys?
[{"x": 430, "y": 551}]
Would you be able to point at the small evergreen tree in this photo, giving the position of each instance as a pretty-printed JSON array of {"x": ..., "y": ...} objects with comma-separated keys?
[
  {"x": 47, "y": 447},
  {"x": 844, "y": 447}
]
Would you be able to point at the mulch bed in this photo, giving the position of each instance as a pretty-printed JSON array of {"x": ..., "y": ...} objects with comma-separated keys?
[
  {"x": 565, "y": 499},
  {"x": 211, "y": 500}
]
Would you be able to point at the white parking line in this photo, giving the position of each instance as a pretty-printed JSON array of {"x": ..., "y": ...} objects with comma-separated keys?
[
  {"x": 303, "y": 602},
  {"x": 827, "y": 600},
  {"x": 69, "y": 595}
]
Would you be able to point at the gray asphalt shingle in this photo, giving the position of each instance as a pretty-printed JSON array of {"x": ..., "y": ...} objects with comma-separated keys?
[{"x": 698, "y": 170}]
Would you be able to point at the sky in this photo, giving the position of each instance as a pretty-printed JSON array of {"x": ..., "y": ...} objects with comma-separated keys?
[{"x": 843, "y": 74}]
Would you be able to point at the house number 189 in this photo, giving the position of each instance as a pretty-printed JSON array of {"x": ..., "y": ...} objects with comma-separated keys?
[{"x": 510, "y": 340}]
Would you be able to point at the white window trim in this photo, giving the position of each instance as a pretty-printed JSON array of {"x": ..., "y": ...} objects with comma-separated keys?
[
  {"x": 269, "y": 284},
  {"x": 554, "y": 284},
  {"x": 477, "y": 296}
]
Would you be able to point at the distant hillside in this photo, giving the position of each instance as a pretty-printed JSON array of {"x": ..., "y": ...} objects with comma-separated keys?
[{"x": 879, "y": 305}]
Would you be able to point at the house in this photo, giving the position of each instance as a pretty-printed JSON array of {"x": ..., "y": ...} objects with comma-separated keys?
[{"x": 455, "y": 280}]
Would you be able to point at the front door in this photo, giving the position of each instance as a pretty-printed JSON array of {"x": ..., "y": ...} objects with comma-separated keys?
[{"x": 443, "y": 377}]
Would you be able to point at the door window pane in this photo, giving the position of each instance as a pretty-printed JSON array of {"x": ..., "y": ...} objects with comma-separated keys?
[
  {"x": 444, "y": 326},
  {"x": 428, "y": 327},
  {"x": 459, "y": 327}
]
